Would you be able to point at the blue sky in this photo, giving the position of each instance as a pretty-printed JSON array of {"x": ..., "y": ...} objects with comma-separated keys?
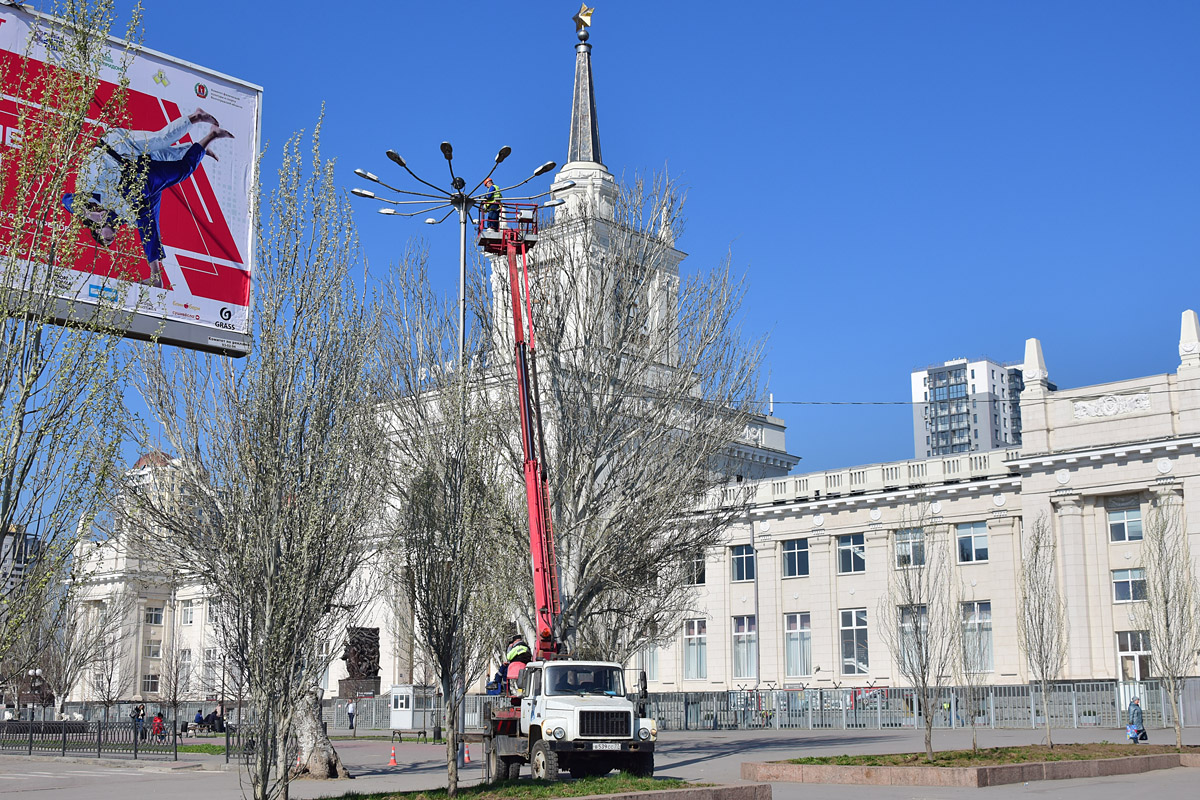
[{"x": 902, "y": 183}]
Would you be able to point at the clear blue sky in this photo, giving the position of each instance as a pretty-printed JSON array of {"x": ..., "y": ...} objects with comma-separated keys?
[{"x": 903, "y": 183}]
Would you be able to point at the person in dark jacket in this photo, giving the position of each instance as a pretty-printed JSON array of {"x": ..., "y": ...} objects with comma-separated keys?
[
  {"x": 1136, "y": 730},
  {"x": 491, "y": 204}
]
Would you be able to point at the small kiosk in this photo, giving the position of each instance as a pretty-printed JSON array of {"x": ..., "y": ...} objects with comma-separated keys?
[{"x": 402, "y": 708}]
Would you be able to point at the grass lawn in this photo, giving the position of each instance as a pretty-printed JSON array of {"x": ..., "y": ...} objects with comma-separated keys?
[
  {"x": 521, "y": 790},
  {"x": 993, "y": 756},
  {"x": 210, "y": 749}
]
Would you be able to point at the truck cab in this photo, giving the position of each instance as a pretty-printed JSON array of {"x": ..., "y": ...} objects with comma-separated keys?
[{"x": 575, "y": 716}]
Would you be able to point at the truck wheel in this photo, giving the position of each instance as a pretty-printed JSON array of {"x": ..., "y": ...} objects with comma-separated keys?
[
  {"x": 641, "y": 765},
  {"x": 514, "y": 767},
  {"x": 497, "y": 768},
  {"x": 544, "y": 762}
]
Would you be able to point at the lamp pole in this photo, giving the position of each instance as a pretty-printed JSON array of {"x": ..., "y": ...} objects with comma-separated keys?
[{"x": 457, "y": 200}]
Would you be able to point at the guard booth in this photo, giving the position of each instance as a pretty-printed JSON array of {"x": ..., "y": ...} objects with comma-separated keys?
[{"x": 402, "y": 708}]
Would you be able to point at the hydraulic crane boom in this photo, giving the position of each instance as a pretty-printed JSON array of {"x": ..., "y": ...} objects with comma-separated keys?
[{"x": 514, "y": 241}]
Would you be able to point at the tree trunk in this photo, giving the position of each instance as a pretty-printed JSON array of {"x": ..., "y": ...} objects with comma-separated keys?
[
  {"x": 1046, "y": 712},
  {"x": 317, "y": 757},
  {"x": 928, "y": 726},
  {"x": 1173, "y": 700},
  {"x": 452, "y": 734}
]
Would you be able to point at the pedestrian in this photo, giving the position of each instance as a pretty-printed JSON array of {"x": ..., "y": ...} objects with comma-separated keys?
[
  {"x": 351, "y": 708},
  {"x": 158, "y": 729},
  {"x": 1135, "y": 730},
  {"x": 491, "y": 204},
  {"x": 125, "y": 175},
  {"x": 138, "y": 715}
]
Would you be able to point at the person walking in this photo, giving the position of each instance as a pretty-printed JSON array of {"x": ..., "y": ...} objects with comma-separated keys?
[
  {"x": 1135, "y": 730},
  {"x": 138, "y": 715},
  {"x": 491, "y": 204},
  {"x": 351, "y": 710}
]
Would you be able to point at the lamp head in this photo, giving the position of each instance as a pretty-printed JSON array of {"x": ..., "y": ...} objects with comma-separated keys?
[
  {"x": 371, "y": 176},
  {"x": 447, "y": 151},
  {"x": 394, "y": 156},
  {"x": 387, "y": 211},
  {"x": 458, "y": 183},
  {"x": 553, "y": 203},
  {"x": 544, "y": 168},
  {"x": 431, "y": 221},
  {"x": 362, "y": 193},
  {"x": 503, "y": 154}
]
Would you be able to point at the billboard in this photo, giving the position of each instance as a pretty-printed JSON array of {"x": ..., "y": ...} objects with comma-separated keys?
[{"x": 163, "y": 200}]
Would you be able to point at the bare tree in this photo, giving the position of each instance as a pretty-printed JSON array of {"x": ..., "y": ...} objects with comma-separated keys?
[
  {"x": 919, "y": 613},
  {"x": 60, "y": 386},
  {"x": 973, "y": 657},
  {"x": 453, "y": 497},
  {"x": 111, "y": 677},
  {"x": 175, "y": 677},
  {"x": 1171, "y": 613},
  {"x": 280, "y": 466},
  {"x": 1042, "y": 624},
  {"x": 646, "y": 385}
]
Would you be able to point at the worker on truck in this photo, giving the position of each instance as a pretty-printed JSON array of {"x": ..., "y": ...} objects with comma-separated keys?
[
  {"x": 491, "y": 206},
  {"x": 517, "y": 657}
]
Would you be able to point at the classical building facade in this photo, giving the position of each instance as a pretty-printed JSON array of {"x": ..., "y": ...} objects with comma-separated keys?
[{"x": 798, "y": 594}]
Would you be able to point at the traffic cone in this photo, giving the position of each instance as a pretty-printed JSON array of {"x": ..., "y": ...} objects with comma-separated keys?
[
  {"x": 297, "y": 758},
  {"x": 467, "y": 753},
  {"x": 393, "y": 763}
]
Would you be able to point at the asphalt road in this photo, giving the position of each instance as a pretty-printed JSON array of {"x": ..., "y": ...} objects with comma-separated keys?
[{"x": 714, "y": 757}]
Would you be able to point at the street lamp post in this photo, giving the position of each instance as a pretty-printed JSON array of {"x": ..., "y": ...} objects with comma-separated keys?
[
  {"x": 457, "y": 201},
  {"x": 35, "y": 684}
]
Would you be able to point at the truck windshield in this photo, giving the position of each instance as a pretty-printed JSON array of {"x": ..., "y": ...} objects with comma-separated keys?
[{"x": 581, "y": 679}]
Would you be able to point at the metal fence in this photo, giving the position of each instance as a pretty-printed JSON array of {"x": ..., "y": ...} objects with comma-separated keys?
[
  {"x": 1070, "y": 705},
  {"x": 68, "y": 737}
]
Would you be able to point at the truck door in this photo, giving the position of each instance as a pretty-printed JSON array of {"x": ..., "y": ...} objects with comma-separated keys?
[{"x": 532, "y": 705}]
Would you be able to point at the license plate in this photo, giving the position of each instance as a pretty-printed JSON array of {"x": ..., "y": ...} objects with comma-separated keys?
[{"x": 606, "y": 746}]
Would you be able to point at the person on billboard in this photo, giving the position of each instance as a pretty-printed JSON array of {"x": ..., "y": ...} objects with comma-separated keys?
[{"x": 127, "y": 172}]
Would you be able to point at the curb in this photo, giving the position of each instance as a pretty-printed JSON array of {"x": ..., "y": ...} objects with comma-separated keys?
[
  {"x": 114, "y": 763},
  {"x": 751, "y": 791},
  {"x": 970, "y": 777}
]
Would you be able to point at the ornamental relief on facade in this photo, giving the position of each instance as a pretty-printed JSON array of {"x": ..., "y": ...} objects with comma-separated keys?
[{"x": 1112, "y": 405}]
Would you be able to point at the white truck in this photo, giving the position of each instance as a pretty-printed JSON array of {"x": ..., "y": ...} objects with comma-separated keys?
[{"x": 573, "y": 716}]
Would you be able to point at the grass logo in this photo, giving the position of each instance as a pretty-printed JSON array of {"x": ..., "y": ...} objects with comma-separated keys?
[{"x": 160, "y": 78}]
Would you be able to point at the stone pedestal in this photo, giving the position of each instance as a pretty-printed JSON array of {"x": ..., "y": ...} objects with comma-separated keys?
[{"x": 352, "y": 688}]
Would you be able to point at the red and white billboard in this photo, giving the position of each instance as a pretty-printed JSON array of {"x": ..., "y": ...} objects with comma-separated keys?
[{"x": 164, "y": 200}]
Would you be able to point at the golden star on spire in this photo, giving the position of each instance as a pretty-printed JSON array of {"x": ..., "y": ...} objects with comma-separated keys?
[{"x": 584, "y": 18}]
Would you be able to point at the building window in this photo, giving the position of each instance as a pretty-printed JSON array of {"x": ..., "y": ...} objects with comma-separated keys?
[
  {"x": 852, "y": 553},
  {"x": 211, "y": 662},
  {"x": 854, "y": 641},
  {"x": 185, "y": 670},
  {"x": 1125, "y": 525},
  {"x": 649, "y": 660},
  {"x": 154, "y": 615},
  {"x": 150, "y": 684},
  {"x": 695, "y": 649},
  {"x": 795, "y": 558},
  {"x": 972, "y": 542},
  {"x": 745, "y": 647},
  {"x": 1133, "y": 652},
  {"x": 152, "y": 648},
  {"x": 1129, "y": 585},
  {"x": 797, "y": 645},
  {"x": 743, "y": 562},
  {"x": 913, "y": 620},
  {"x": 977, "y": 635},
  {"x": 187, "y": 612},
  {"x": 910, "y": 547},
  {"x": 696, "y": 570}
]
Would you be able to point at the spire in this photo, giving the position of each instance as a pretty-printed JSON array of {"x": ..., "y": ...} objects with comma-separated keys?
[
  {"x": 1033, "y": 371},
  {"x": 584, "y": 144},
  {"x": 1189, "y": 341}
]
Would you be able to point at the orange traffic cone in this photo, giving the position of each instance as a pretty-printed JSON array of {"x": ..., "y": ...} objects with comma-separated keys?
[
  {"x": 297, "y": 758},
  {"x": 393, "y": 763},
  {"x": 467, "y": 754}
]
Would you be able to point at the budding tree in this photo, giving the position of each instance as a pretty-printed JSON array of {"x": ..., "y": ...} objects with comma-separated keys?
[
  {"x": 1171, "y": 613},
  {"x": 919, "y": 612},
  {"x": 646, "y": 386},
  {"x": 280, "y": 465},
  {"x": 1042, "y": 624},
  {"x": 453, "y": 501},
  {"x": 61, "y": 409}
]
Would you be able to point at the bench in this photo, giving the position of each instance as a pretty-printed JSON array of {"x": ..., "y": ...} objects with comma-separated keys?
[{"x": 416, "y": 734}]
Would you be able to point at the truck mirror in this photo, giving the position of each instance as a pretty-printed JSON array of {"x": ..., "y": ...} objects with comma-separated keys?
[{"x": 642, "y": 691}]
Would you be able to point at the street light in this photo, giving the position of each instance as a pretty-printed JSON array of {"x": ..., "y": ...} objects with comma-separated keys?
[{"x": 455, "y": 200}]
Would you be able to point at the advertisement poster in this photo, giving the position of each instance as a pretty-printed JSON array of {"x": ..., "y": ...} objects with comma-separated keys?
[{"x": 167, "y": 206}]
